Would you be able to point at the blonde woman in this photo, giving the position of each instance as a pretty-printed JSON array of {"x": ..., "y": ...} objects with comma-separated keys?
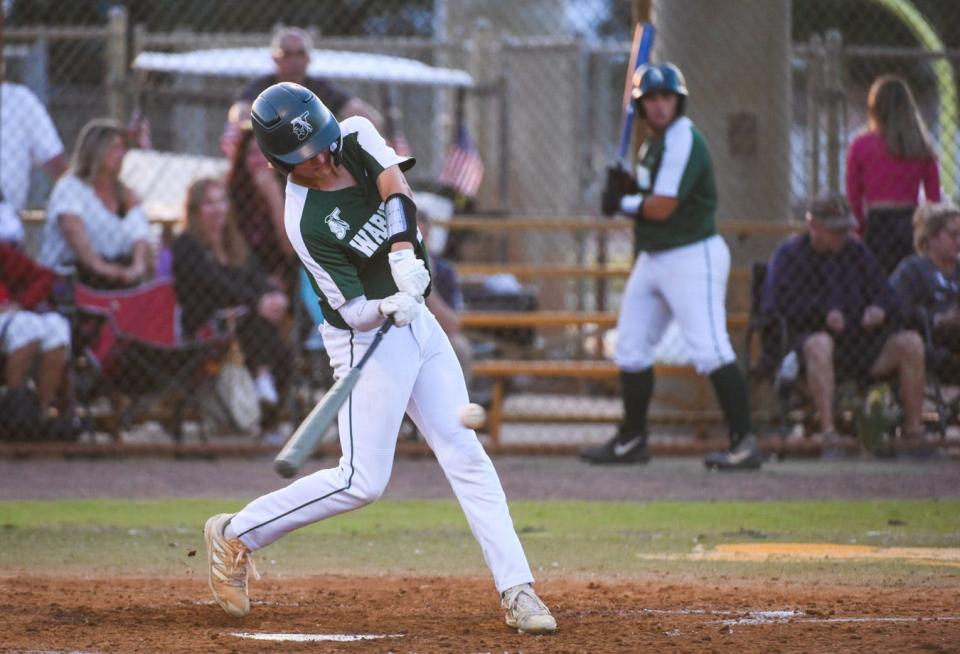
[
  {"x": 93, "y": 221},
  {"x": 887, "y": 165}
]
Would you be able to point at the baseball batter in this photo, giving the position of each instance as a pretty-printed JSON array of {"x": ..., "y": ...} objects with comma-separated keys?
[
  {"x": 680, "y": 273},
  {"x": 350, "y": 216}
]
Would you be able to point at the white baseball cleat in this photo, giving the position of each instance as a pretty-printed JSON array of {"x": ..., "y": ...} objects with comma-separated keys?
[
  {"x": 526, "y": 612},
  {"x": 229, "y": 561}
]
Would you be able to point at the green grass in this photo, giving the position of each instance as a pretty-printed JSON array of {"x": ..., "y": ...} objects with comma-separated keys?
[{"x": 425, "y": 537}]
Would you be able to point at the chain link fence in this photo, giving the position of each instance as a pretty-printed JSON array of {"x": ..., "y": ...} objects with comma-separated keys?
[{"x": 533, "y": 90}]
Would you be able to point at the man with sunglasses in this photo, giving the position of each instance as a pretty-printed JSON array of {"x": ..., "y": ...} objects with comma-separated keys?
[{"x": 291, "y": 48}]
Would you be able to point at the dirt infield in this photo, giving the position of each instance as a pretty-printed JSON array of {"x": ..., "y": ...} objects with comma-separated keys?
[{"x": 432, "y": 614}]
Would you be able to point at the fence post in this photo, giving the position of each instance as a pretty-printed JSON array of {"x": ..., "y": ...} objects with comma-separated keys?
[
  {"x": 814, "y": 91},
  {"x": 117, "y": 62},
  {"x": 483, "y": 64},
  {"x": 833, "y": 87}
]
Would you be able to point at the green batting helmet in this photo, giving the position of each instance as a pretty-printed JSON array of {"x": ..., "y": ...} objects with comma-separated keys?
[
  {"x": 291, "y": 125},
  {"x": 659, "y": 77}
]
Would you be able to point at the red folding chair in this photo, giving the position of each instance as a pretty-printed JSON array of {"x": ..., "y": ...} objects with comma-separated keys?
[{"x": 133, "y": 341}]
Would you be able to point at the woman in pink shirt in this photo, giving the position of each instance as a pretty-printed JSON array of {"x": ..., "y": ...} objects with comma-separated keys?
[{"x": 886, "y": 165}]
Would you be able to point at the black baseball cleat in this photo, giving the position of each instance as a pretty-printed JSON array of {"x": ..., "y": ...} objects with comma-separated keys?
[
  {"x": 624, "y": 447},
  {"x": 744, "y": 454}
]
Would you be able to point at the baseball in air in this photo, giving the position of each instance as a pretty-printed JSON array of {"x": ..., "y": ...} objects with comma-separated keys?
[{"x": 472, "y": 416}]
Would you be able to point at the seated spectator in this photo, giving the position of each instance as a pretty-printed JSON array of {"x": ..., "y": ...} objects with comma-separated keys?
[
  {"x": 28, "y": 138},
  {"x": 256, "y": 196},
  {"x": 94, "y": 222},
  {"x": 212, "y": 270},
  {"x": 887, "y": 164},
  {"x": 238, "y": 120},
  {"x": 29, "y": 334},
  {"x": 446, "y": 298},
  {"x": 842, "y": 314},
  {"x": 291, "y": 48},
  {"x": 930, "y": 281}
]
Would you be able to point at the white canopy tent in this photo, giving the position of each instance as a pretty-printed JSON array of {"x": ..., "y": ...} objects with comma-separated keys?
[
  {"x": 162, "y": 177},
  {"x": 326, "y": 64}
]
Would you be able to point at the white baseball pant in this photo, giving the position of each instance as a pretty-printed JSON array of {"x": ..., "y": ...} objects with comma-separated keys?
[
  {"x": 687, "y": 284},
  {"x": 414, "y": 370}
]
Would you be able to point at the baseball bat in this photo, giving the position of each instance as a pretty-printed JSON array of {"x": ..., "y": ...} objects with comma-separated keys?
[
  {"x": 640, "y": 49},
  {"x": 304, "y": 440}
]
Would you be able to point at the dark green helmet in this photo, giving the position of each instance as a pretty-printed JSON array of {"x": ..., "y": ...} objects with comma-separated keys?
[
  {"x": 659, "y": 77},
  {"x": 291, "y": 125}
]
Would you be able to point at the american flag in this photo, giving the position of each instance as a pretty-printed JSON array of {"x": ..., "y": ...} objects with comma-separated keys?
[{"x": 463, "y": 167}]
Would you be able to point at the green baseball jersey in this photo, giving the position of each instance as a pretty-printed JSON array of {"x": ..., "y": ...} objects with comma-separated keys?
[
  {"x": 677, "y": 165},
  {"x": 341, "y": 236}
]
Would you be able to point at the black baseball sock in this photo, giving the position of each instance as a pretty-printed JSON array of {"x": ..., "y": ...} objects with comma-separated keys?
[
  {"x": 730, "y": 386},
  {"x": 636, "y": 389}
]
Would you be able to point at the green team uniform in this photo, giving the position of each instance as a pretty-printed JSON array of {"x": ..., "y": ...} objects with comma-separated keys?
[
  {"x": 678, "y": 165},
  {"x": 341, "y": 236},
  {"x": 679, "y": 278},
  {"x": 682, "y": 268}
]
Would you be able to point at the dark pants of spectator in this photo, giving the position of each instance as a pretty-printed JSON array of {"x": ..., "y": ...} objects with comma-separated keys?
[
  {"x": 889, "y": 235},
  {"x": 262, "y": 346}
]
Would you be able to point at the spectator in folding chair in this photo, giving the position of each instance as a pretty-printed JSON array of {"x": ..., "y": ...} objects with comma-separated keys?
[
  {"x": 27, "y": 333},
  {"x": 887, "y": 164},
  {"x": 930, "y": 279},
  {"x": 94, "y": 222},
  {"x": 928, "y": 284},
  {"x": 256, "y": 196},
  {"x": 842, "y": 316},
  {"x": 213, "y": 270}
]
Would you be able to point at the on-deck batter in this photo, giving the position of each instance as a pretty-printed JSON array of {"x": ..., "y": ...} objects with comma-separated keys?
[
  {"x": 680, "y": 273},
  {"x": 350, "y": 216}
]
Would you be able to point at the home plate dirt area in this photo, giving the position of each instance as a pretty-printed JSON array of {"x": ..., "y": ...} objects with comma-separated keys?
[{"x": 454, "y": 614}]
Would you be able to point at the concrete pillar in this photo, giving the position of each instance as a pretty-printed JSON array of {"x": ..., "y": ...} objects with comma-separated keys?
[{"x": 735, "y": 55}]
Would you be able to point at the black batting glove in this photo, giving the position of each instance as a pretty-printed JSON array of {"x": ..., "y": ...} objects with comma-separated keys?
[
  {"x": 610, "y": 201},
  {"x": 619, "y": 183}
]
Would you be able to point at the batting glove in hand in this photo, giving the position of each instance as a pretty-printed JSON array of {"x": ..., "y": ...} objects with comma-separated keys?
[
  {"x": 619, "y": 183},
  {"x": 402, "y": 306},
  {"x": 409, "y": 273}
]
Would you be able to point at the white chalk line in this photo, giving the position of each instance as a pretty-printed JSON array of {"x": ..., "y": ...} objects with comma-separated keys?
[
  {"x": 775, "y": 617},
  {"x": 312, "y": 638},
  {"x": 784, "y": 617}
]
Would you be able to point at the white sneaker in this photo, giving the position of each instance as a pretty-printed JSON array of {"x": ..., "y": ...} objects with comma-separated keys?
[
  {"x": 266, "y": 389},
  {"x": 526, "y": 612},
  {"x": 228, "y": 560}
]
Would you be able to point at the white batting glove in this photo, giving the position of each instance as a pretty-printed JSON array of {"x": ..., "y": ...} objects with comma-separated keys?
[
  {"x": 402, "y": 306},
  {"x": 409, "y": 273}
]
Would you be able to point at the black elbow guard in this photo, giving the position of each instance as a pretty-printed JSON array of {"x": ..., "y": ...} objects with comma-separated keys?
[{"x": 401, "y": 219}]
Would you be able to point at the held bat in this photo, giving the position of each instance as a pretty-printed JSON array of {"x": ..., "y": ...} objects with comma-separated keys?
[
  {"x": 640, "y": 49},
  {"x": 304, "y": 440}
]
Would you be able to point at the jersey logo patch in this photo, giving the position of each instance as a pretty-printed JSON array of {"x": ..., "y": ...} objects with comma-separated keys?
[
  {"x": 337, "y": 224},
  {"x": 301, "y": 127}
]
